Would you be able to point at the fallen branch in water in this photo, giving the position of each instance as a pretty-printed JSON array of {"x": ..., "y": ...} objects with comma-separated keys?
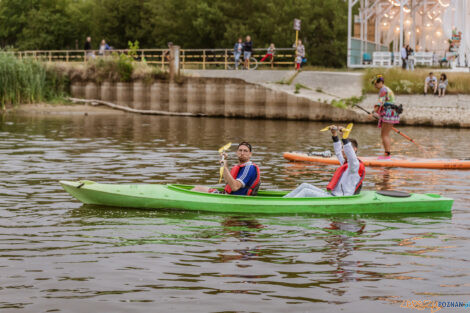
[{"x": 127, "y": 109}]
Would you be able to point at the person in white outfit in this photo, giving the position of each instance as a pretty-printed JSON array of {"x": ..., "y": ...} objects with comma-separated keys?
[{"x": 346, "y": 181}]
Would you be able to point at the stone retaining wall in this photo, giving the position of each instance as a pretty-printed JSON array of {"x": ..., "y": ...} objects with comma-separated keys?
[{"x": 226, "y": 97}]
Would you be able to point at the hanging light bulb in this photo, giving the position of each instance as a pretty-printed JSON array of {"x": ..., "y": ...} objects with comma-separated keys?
[{"x": 443, "y": 4}]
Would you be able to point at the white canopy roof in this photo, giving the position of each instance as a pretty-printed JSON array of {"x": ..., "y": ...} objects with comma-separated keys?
[{"x": 426, "y": 25}]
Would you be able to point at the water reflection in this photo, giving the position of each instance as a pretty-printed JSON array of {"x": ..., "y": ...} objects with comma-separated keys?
[
  {"x": 243, "y": 229},
  {"x": 341, "y": 245}
]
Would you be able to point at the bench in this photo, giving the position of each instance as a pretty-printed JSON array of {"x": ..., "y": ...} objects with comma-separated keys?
[
  {"x": 381, "y": 58},
  {"x": 397, "y": 59},
  {"x": 424, "y": 58}
]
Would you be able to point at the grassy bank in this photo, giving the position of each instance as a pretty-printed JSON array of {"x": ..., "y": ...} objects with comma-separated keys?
[
  {"x": 29, "y": 81},
  {"x": 120, "y": 68},
  {"x": 412, "y": 82},
  {"x": 24, "y": 81}
]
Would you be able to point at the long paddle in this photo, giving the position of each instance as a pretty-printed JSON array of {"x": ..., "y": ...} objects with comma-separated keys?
[
  {"x": 394, "y": 129},
  {"x": 221, "y": 151}
]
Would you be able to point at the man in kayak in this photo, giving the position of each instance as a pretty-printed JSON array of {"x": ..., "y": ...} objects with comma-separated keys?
[
  {"x": 346, "y": 181},
  {"x": 243, "y": 179}
]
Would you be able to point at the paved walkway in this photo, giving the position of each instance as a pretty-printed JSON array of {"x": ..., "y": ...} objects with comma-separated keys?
[{"x": 323, "y": 86}]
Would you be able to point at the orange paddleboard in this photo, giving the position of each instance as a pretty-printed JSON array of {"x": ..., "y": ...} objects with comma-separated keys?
[{"x": 393, "y": 162}]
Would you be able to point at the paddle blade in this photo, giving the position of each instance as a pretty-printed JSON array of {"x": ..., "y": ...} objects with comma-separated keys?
[
  {"x": 326, "y": 128},
  {"x": 347, "y": 130},
  {"x": 224, "y": 148}
]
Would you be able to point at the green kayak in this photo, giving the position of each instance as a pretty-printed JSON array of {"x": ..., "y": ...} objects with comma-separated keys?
[{"x": 155, "y": 196}]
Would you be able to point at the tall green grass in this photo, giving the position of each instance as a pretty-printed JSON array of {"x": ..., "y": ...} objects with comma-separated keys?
[
  {"x": 29, "y": 81},
  {"x": 412, "y": 82},
  {"x": 114, "y": 68}
]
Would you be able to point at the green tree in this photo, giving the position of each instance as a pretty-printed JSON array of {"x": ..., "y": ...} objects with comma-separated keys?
[
  {"x": 47, "y": 26},
  {"x": 13, "y": 18},
  {"x": 64, "y": 24}
]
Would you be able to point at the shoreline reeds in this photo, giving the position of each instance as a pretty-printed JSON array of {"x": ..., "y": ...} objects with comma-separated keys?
[{"x": 29, "y": 81}]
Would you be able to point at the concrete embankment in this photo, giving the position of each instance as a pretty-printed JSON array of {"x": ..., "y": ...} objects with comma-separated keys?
[
  {"x": 226, "y": 97},
  {"x": 272, "y": 95}
]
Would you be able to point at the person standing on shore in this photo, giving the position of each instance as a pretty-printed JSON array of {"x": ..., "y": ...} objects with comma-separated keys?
[
  {"x": 299, "y": 52},
  {"x": 87, "y": 48},
  {"x": 237, "y": 51},
  {"x": 410, "y": 64},
  {"x": 386, "y": 112},
  {"x": 247, "y": 50},
  {"x": 404, "y": 57},
  {"x": 103, "y": 48}
]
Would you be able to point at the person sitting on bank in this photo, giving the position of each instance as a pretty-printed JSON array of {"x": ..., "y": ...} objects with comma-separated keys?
[
  {"x": 443, "y": 82},
  {"x": 243, "y": 179},
  {"x": 431, "y": 83},
  {"x": 348, "y": 178},
  {"x": 269, "y": 53}
]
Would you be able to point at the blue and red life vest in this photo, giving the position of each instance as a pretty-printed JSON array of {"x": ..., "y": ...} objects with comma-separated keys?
[
  {"x": 339, "y": 172},
  {"x": 253, "y": 189}
]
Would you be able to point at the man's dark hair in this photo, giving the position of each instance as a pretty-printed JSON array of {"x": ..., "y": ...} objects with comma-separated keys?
[
  {"x": 430, "y": 73},
  {"x": 244, "y": 143},
  {"x": 353, "y": 142}
]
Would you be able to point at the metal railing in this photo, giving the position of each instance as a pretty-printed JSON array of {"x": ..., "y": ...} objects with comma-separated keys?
[{"x": 189, "y": 58}]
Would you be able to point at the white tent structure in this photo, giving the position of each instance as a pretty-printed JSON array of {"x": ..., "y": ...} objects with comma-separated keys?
[{"x": 428, "y": 26}]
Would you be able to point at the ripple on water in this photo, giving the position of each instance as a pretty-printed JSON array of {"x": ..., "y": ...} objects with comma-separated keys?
[{"x": 55, "y": 252}]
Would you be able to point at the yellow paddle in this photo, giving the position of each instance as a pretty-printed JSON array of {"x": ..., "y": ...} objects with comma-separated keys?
[
  {"x": 346, "y": 131},
  {"x": 221, "y": 151}
]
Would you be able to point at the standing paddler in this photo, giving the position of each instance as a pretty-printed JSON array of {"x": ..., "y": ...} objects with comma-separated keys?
[{"x": 387, "y": 113}]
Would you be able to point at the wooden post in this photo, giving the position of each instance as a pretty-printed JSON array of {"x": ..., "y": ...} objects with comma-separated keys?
[
  {"x": 50, "y": 56},
  {"x": 163, "y": 60},
  {"x": 272, "y": 61},
  {"x": 203, "y": 59},
  {"x": 67, "y": 56},
  {"x": 174, "y": 61},
  {"x": 142, "y": 57},
  {"x": 84, "y": 56},
  {"x": 183, "y": 59},
  {"x": 226, "y": 59}
]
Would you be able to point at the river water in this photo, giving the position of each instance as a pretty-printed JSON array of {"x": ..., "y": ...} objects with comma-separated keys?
[{"x": 57, "y": 255}]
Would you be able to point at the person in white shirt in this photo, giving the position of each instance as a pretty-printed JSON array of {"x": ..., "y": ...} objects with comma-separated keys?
[
  {"x": 346, "y": 181},
  {"x": 404, "y": 57}
]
